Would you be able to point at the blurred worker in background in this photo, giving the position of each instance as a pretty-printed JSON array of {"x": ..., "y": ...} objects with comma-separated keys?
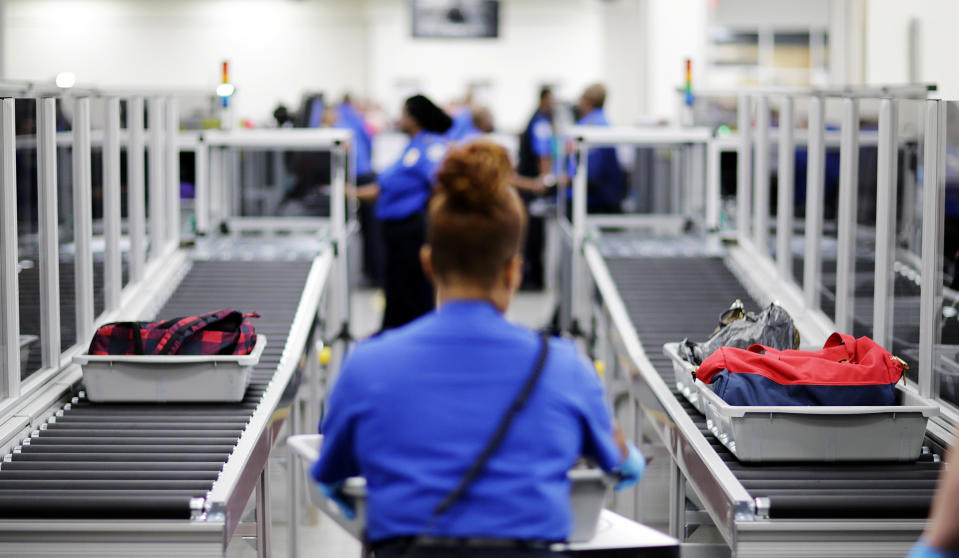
[
  {"x": 401, "y": 192},
  {"x": 606, "y": 183},
  {"x": 412, "y": 409},
  {"x": 536, "y": 162},
  {"x": 471, "y": 124},
  {"x": 349, "y": 117}
]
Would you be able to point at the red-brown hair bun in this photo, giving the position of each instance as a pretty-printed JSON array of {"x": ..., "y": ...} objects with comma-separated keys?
[
  {"x": 475, "y": 177},
  {"x": 476, "y": 219}
]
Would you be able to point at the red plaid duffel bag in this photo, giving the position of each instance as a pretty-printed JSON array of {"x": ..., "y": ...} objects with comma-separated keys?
[{"x": 224, "y": 332}]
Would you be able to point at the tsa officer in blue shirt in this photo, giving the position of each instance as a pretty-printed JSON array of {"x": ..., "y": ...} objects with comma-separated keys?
[
  {"x": 401, "y": 192},
  {"x": 413, "y": 408},
  {"x": 536, "y": 162},
  {"x": 606, "y": 184}
]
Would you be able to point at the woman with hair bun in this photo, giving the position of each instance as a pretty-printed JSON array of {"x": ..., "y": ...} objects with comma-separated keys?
[
  {"x": 401, "y": 192},
  {"x": 422, "y": 411}
]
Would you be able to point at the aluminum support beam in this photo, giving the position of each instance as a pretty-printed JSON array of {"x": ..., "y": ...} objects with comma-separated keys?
[
  {"x": 156, "y": 184},
  {"x": 744, "y": 167},
  {"x": 136, "y": 195},
  {"x": 9, "y": 291},
  {"x": 933, "y": 206},
  {"x": 202, "y": 196},
  {"x": 713, "y": 187},
  {"x": 786, "y": 189},
  {"x": 263, "y": 518},
  {"x": 815, "y": 185},
  {"x": 887, "y": 183},
  {"x": 83, "y": 219},
  {"x": 48, "y": 229},
  {"x": 848, "y": 196},
  {"x": 761, "y": 178},
  {"x": 171, "y": 171},
  {"x": 112, "y": 274}
]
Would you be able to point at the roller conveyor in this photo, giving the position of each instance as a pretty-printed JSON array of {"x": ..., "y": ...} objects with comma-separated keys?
[
  {"x": 170, "y": 437},
  {"x": 671, "y": 298}
]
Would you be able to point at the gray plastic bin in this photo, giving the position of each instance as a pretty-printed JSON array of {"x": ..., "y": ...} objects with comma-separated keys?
[
  {"x": 685, "y": 382},
  {"x": 590, "y": 488},
  {"x": 806, "y": 433},
  {"x": 159, "y": 379}
]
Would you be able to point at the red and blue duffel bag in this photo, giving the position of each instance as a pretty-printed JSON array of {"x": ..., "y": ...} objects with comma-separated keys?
[
  {"x": 846, "y": 371},
  {"x": 224, "y": 332}
]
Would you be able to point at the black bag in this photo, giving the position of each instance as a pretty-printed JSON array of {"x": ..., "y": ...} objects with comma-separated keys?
[{"x": 773, "y": 327}]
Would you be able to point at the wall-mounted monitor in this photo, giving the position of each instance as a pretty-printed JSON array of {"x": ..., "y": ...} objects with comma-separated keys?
[{"x": 456, "y": 19}]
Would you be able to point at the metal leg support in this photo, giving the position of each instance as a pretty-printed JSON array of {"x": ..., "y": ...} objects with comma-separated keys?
[
  {"x": 677, "y": 503},
  {"x": 293, "y": 470},
  {"x": 263, "y": 513}
]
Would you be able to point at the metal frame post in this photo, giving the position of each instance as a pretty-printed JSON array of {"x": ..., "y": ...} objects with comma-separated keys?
[
  {"x": 848, "y": 196},
  {"x": 9, "y": 289},
  {"x": 202, "y": 196},
  {"x": 815, "y": 185},
  {"x": 786, "y": 189},
  {"x": 48, "y": 229},
  {"x": 83, "y": 219},
  {"x": 136, "y": 195},
  {"x": 338, "y": 225},
  {"x": 580, "y": 185},
  {"x": 933, "y": 208},
  {"x": 713, "y": 193},
  {"x": 744, "y": 167},
  {"x": 886, "y": 184},
  {"x": 697, "y": 180},
  {"x": 112, "y": 274},
  {"x": 677, "y": 502},
  {"x": 171, "y": 171},
  {"x": 156, "y": 183},
  {"x": 761, "y": 178},
  {"x": 263, "y": 519}
]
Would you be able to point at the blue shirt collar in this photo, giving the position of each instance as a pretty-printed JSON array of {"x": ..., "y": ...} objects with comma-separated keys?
[
  {"x": 595, "y": 116},
  {"x": 469, "y": 307}
]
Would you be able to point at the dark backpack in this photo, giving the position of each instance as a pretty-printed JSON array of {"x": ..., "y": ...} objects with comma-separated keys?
[{"x": 224, "y": 332}]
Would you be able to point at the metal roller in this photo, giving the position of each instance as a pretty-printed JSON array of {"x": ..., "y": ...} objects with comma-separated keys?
[
  {"x": 148, "y": 461},
  {"x": 669, "y": 299}
]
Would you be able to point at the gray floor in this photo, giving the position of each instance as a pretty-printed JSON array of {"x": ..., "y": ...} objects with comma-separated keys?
[{"x": 319, "y": 536}]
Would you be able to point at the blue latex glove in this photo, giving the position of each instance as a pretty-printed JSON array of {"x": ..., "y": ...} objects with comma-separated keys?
[
  {"x": 923, "y": 550},
  {"x": 332, "y": 491},
  {"x": 631, "y": 469}
]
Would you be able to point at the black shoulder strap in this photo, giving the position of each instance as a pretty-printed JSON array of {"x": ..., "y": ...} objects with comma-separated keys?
[{"x": 477, "y": 467}]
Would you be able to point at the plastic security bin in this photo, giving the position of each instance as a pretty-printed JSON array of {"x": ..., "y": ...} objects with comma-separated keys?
[
  {"x": 589, "y": 489},
  {"x": 175, "y": 378},
  {"x": 807, "y": 433},
  {"x": 685, "y": 379}
]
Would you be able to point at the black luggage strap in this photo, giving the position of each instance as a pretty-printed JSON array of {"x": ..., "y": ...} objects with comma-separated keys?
[{"x": 494, "y": 442}]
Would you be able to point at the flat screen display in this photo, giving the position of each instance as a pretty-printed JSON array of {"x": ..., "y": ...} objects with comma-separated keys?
[{"x": 456, "y": 19}]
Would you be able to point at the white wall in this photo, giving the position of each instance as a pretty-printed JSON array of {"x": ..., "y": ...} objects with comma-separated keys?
[
  {"x": 277, "y": 48},
  {"x": 677, "y": 31},
  {"x": 887, "y": 48},
  {"x": 541, "y": 41}
]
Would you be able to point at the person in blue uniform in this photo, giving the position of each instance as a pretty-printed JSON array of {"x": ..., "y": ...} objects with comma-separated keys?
[
  {"x": 606, "y": 183},
  {"x": 536, "y": 162},
  {"x": 413, "y": 408},
  {"x": 347, "y": 116},
  {"x": 401, "y": 192},
  {"x": 940, "y": 539},
  {"x": 471, "y": 124}
]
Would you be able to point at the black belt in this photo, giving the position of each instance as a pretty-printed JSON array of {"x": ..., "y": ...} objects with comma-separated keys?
[{"x": 403, "y": 543}]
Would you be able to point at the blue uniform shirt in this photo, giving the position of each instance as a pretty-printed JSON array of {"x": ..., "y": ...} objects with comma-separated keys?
[
  {"x": 405, "y": 185},
  {"x": 349, "y": 118},
  {"x": 462, "y": 127},
  {"x": 541, "y": 135},
  {"x": 604, "y": 175},
  {"x": 413, "y": 408}
]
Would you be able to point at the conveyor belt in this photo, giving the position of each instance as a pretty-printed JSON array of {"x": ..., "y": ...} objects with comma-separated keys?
[
  {"x": 669, "y": 299},
  {"x": 146, "y": 461}
]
